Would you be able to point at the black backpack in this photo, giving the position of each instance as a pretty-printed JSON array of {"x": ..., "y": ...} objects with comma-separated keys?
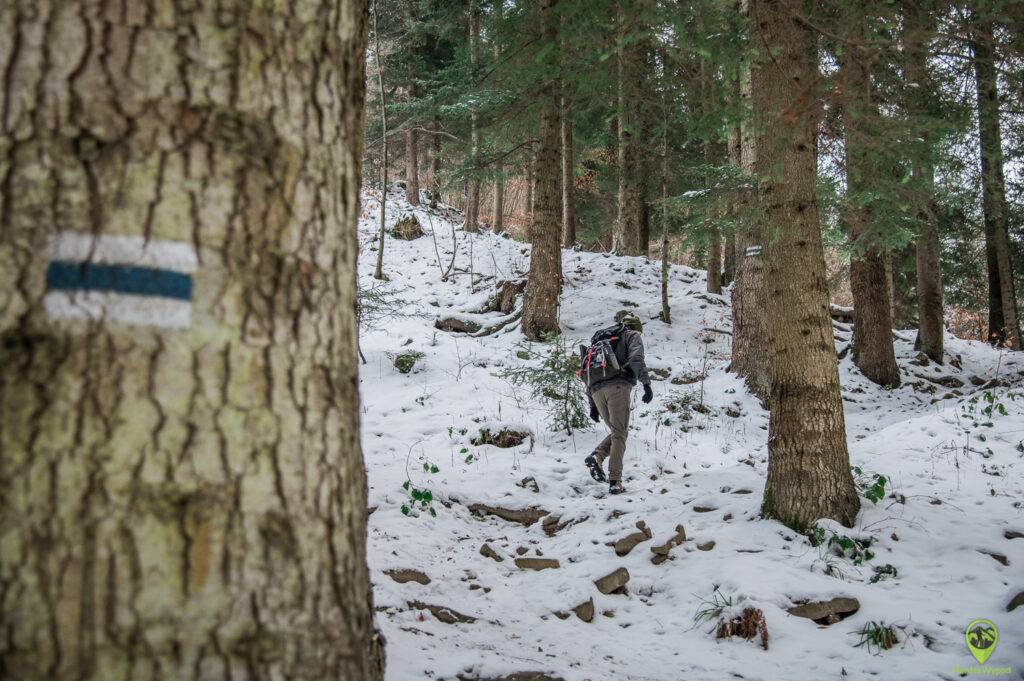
[{"x": 600, "y": 360}]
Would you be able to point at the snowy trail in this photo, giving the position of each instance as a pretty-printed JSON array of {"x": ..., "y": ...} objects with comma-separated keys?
[{"x": 957, "y": 486}]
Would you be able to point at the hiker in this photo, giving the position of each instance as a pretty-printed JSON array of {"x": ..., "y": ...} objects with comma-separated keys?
[{"x": 611, "y": 366}]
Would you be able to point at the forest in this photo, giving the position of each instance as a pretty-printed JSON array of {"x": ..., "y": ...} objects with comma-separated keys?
[{"x": 511, "y": 340}]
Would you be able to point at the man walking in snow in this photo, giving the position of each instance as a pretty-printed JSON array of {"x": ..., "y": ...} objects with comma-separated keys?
[{"x": 609, "y": 401}]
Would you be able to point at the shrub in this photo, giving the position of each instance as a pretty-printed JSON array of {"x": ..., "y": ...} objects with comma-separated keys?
[{"x": 551, "y": 381}]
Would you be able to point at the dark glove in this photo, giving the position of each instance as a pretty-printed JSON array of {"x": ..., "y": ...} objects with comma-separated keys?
[
  {"x": 648, "y": 394},
  {"x": 594, "y": 414}
]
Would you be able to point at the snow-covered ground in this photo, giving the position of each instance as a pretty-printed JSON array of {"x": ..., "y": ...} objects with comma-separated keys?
[{"x": 947, "y": 524}]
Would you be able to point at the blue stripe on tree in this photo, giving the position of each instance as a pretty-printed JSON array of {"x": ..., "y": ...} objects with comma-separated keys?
[{"x": 139, "y": 281}]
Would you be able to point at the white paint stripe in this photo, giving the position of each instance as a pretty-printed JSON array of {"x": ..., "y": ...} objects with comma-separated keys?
[
  {"x": 177, "y": 256},
  {"x": 127, "y": 309}
]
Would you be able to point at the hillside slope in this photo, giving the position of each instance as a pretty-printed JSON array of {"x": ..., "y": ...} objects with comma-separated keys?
[{"x": 950, "y": 523}]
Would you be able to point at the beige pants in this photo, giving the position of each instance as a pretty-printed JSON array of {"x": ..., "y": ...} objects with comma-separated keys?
[{"x": 613, "y": 404}]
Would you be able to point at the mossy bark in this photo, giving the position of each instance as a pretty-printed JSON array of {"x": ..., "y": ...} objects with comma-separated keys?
[{"x": 185, "y": 503}]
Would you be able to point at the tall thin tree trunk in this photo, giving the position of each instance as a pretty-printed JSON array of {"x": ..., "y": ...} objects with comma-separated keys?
[
  {"x": 750, "y": 339},
  {"x": 714, "y": 262},
  {"x": 378, "y": 270},
  {"x": 543, "y": 285},
  {"x": 666, "y": 312},
  {"x": 435, "y": 165},
  {"x": 919, "y": 28},
  {"x": 872, "y": 326},
  {"x": 412, "y": 161},
  {"x": 182, "y": 490},
  {"x": 1004, "y": 325},
  {"x": 629, "y": 57},
  {"x": 498, "y": 217},
  {"x": 531, "y": 159},
  {"x": 568, "y": 215},
  {"x": 472, "y": 223},
  {"x": 808, "y": 464}
]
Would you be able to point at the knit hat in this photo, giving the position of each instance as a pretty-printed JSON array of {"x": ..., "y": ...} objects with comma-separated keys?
[{"x": 631, "y": 321}]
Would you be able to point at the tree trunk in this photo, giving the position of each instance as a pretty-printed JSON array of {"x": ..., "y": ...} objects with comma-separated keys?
[
  {"x": 378, "y": 270},
  {"x": 919, "y": 28},
  {"x": 472, "y": 223},
  {"x": 666, "y": 312},
  {"x": 498, "y": 216},
  {"x": 412, "y": 162},
  {"x": 182, "y": 490},
  {"x": 530, "y": 166},
  {"x": 750, "y": 340},
  {"x": 808, "y": 465},
  {"x": 543, "y": 285},
  {"x": 568, "y": 216},
  {"x": 1004, "y": 326},
  {"x": 872, "y": 325},
  {"x": 629, "y": 61},
  {"x": 435, "y": 165}
]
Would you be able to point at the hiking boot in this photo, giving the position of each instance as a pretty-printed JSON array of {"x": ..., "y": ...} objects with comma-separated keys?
[
  {"x": 615, "y": 487},
  {"x": 595, "y": 468}
]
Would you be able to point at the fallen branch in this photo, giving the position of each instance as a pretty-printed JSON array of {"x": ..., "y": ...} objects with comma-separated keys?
[{"x": 499, "y": 326}]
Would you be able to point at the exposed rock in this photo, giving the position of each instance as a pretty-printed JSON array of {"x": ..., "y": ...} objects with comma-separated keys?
[
  {"x": 489, "y": 552},
  {"x": 529, "y": 483},
  {"x": 553, "y": 524},
  {"x": 504, "y": 438},
  {"x": 706, "y": 546},
  {"x": 945, "y": 381},
  {"x": 841, "y": 314},
  {"x": 612, "y": 582},
  {"x": 826, "y": 612},
  {"x": 659, "y": 374},
  {"x": 585, "y": 610},
  {"x": 537, "y": 563},
  {"x": 457, "y": 325},
  {"x": 704, "y": 509},
  {"x": 517, "y": 676},
  {"x": 998, "y": 557},
  {"x": 742, "y": 491},
  {"x": 1013, "y": 534},
  {"x": 525, "y": 516},
  {"x": 921, "y": 360},
  {"x": 443, "y": 613},
  {"x": 661, "y": 551},
  {"x": 521, "y": 551},
  {"x": 626, "y": 544},
  {"x": 1015, "y": 602},
  {"x": 408, "y": 575},
  {"x": 407, "y": 228}
]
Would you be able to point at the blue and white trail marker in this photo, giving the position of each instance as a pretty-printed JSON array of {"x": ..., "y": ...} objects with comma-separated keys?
[{"x": 120, "y": 278}]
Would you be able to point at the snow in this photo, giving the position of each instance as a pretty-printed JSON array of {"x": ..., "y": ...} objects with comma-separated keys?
[{"x": 956, "y": 487}]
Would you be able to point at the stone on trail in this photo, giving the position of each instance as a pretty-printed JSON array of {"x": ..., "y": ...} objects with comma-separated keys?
[
  {"x": 585, "y": 610},
  {"x": 707, "y": 546},
  {"x": 443, "y": 613},
  {"x": 517, "y": 676},
  {"x": 489, "y": 552},
  {"x": 626, "y": 544},
  {"x": 1013, "y": 534},
  {"x": 405, "y": 575},
  {"x": 525, "y": 516},
  {"x": 1015, "y": 602},
  {"x": 612, "y": 582},
  {"x": 826, "y": 612},
  {"x": 661, "y": 551},
  {"x": 537, "y": 563},
  {"x": 457, "y": 325},
  {"x": 998, "y": 557}
]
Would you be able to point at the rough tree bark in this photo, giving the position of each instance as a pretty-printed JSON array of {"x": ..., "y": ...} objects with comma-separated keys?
[
  {"x": 498, "y": 212},
  {"x": 568, "y": 215},
  {"x": 666, "y": 310},
  {"x": 808, "y": 464},
  {"x": 750, "y": 340},
  {"x": 182, "y": 491},
  {"x": 872, "y": 326},
  {"x": 711, "y": 154},
  {"x": 544, "y": 283},
  {"x": 916, "y": 35},
  {"x": 435, "y": 165},
  {"x": 1004, "y": 325},
  {"x": 412, "y": 161},
  {"x": 378, "y": 270},
  {"x": 629, "y": 64},
  {"x": 472, "y": 223}
]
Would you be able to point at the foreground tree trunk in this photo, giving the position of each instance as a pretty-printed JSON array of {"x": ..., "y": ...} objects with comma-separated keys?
[
  {"x": 808, "y": 465},
  {"x": 750, "y": 340},
  {"x": 629, "y": 65},
  {"x": 869, "y": 282},
  {"x": 930, "y": 328},
  {"x": 472, "y": 223},
  {"x": 568, "y": 215},
  {"x": 1004, "y": 327},
  {"x": 544, "y": 283},
  {"x": 182, "y": 491}
]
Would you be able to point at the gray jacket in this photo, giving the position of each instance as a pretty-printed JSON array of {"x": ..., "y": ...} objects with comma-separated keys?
[{"x": 631, "y": 349}]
